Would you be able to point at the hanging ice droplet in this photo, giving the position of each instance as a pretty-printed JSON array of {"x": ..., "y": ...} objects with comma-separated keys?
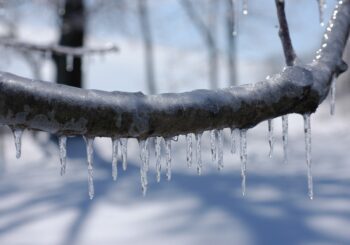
[
  {"x": 307, "y": 131},
  {"x": 69, "y": 62},
  {"x": 333, "y": 91},
  {"x": 189, "y": 149},
  {"x": 234, "y": 136},
  {"x": 245, "y": 7},
  {"x": 213, "y": 144},
  {"x": 271, "y": 137},
  {"x": 198, "y": 137},
  {"x": 144, "y": 155},
  {"x": 62, "y": 142},
  {"x": 285, "y": 137},
  {"x": 124, "y": 151},
  {"x": 115, "y": 143},
  {"x": 17, "y": 134},
  {"x": 158, "y": 142},
  {"x": 168, "y": 158},
  {"x": 90, "y": 160},
  {"x": 220, "y": 147},
  {"x": 243, "y": 156}
]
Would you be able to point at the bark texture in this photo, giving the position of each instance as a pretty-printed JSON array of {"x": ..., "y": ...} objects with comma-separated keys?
[{"x": 63, "y": 109}]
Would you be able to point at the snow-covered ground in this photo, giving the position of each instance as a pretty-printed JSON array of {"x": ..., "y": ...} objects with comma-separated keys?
[{"x": 38, "y": 206}]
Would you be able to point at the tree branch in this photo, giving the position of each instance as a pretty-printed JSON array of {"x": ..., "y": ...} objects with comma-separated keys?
[
  {"x": 66, "y": 110},
  {"x": 56, "y": 49},
  {"x": 288, "y": 49}
]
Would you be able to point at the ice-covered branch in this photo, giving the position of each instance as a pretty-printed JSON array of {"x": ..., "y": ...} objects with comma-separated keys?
[
  {"x": 71, "y": 111},
  {"x": 288, "y": 49},
  {"x": 57, "y": 49}
]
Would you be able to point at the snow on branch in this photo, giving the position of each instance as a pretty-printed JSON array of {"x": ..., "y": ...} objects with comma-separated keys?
[
  {"x": 65, "y": 110},
  {"x": 56, "y": 49}
]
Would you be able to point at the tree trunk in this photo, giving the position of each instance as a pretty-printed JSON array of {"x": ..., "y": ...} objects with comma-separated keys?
[{"x": 72, "y": 35}]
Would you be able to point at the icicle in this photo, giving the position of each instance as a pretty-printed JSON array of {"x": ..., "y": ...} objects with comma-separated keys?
[
  {"x": 168, "y": 158},
  {"x": 69, "y": 62},
  {"x": 158, "y": 142},
  {"x": 285, "y": 137},
  {"x": 234, "y": 135},
  {"x": 124, "y": 151},
  {"x": 144, "y": 155},
  {"x": 213, "y": 144},
  {"x": 115, "y": 143},
  {"x": 307, "y": 131},
  {"x": 90, "y": 160},
  {"x": 271, "y": 138},
  {"x": 220, "y": 147},
  {"x": 62, "y": 141},
  {"x": 17, "y": 134},
  {"x": 321, "y": 6},
  {"x": 245, "y": 7},
  {"x": 199, "y": 153},
  {"x": 243, "y": 156},
  {"x": 189, "y": 152},
  {"x": 333, "y": 91}
]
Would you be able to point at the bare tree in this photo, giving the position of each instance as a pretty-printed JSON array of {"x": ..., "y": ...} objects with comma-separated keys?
[
  {"x": 69, "y": 68},
  {"x": 207, "y": 30}
]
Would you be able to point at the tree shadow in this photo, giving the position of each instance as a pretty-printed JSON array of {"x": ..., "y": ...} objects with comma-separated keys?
[{"x": 275, "y": 210}]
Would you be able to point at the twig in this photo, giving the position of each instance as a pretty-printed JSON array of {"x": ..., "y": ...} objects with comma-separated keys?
[
  {"x": 284, "y": 35},
  {"x": 56, "y": 49}
]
